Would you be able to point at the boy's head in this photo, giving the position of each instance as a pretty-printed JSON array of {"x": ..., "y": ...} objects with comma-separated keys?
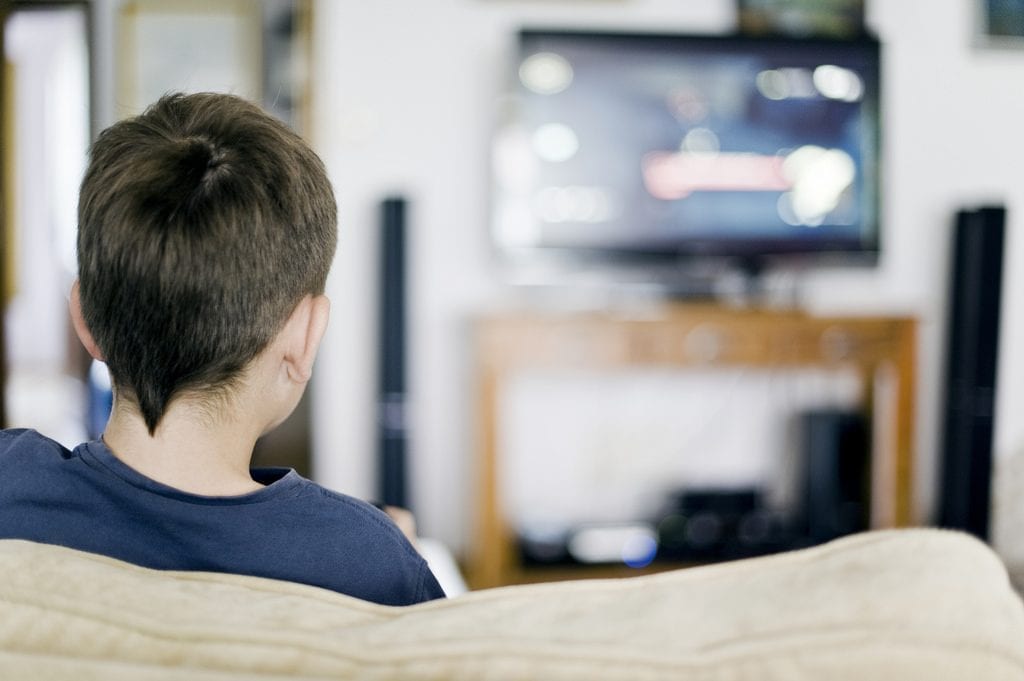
[{"x": 202, "y": 223}]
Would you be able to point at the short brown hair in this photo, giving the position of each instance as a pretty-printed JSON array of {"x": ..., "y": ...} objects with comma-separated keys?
[{"x": 202, "y": 223}]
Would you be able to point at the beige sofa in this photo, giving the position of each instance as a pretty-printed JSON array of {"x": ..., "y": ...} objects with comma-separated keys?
[{"x": 907, "y": 605}]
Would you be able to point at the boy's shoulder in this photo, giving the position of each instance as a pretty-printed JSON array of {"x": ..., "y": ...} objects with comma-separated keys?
[
  {"x": 351, "y": 515},
  {"x": 26, "y": 441},
  {"x": 361, "y": 551}
]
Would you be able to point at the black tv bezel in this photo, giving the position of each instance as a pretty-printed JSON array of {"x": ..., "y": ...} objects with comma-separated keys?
[{"x": 750, "y": 253}]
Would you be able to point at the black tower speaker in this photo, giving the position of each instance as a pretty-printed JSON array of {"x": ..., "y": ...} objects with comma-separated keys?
[
  {"x": 837, "y": 498},
  {"x": 392, "y": 434},
  {"x": 972, "y": 350}
]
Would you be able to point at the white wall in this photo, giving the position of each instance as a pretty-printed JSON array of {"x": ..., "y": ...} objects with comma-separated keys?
[
  {"x": 45, "y": 54},
  {"x": 404, "y": 101}
]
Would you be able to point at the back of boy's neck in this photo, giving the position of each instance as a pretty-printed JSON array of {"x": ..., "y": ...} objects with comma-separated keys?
[{"x": 190, "y": 451}]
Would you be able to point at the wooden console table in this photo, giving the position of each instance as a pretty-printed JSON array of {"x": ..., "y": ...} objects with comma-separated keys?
[{"x": 688, "y": 336}]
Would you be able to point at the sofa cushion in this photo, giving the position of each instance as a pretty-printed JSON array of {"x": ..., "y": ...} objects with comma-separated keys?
[{"x": 907, "y": 604}]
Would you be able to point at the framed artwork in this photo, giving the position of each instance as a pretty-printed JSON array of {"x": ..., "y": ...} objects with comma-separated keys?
[
  {"x": 802, "y": 18},
  {"x": 187, "y": 46},
  {"x": 1000, "y": 23},
  {"x": 254, "y": 49}
]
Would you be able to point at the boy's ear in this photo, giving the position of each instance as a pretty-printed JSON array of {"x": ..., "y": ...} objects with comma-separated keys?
[
  {"x": 305, "y": 328},
  {"x": 84, "y": 335}
]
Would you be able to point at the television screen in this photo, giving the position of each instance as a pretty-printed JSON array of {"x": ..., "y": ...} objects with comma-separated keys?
[{"x": 640, "y": 145}]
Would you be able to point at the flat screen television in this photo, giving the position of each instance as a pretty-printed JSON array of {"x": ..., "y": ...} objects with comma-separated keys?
[{"x": 663, "y": 149}]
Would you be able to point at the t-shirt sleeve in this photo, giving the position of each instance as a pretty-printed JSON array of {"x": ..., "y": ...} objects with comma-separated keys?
[
  {"x": 371, "y": 558},
  {"x": 430, "y": 589}
]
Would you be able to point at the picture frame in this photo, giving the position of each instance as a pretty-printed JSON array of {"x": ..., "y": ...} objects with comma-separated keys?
[
  {"x": 802, "y": 18},
  {"x": 257, "y": 49},
  {"x": 1000, "y": 23},
  {"x": 187, "y": 46}
]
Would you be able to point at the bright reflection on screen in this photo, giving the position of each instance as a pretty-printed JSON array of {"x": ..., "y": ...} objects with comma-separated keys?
[
  {"x": 836, "y": 82},
  {"x": 788, "y": 83},
  {"x": 546, "y": 73},
  {"x": 555, "y": 142},
  {"x": 819, "y": 178},
  {"x": 701, "y": 141}
]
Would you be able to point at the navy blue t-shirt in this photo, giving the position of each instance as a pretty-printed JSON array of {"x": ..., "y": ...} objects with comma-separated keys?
[{"x": 292, "y": 529}]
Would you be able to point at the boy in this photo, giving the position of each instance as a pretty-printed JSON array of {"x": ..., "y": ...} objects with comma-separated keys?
[{"x": 206, "y": 230}]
